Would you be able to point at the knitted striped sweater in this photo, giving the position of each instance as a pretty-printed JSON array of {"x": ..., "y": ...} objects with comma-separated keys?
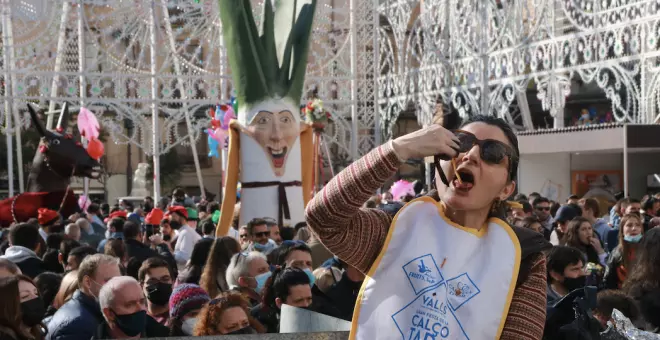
[{"x": 357, "y": 235}]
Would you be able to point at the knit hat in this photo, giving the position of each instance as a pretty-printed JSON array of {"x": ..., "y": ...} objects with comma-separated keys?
[
  {"x": 192, "y": 214},
  {"x": 154, "y": 217},
  {"x": 179, "y": 210},
  {"x": 185, "y": 298},
  {"x": 47, "y": 216}
]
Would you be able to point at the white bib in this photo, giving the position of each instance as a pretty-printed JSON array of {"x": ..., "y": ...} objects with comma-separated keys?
[{"x": 437, "y": 280}]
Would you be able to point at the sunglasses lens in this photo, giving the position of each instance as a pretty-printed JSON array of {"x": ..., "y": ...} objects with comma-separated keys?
[
  {"x": 493, "y": 152},
  {"x": 467, "y": 141}
]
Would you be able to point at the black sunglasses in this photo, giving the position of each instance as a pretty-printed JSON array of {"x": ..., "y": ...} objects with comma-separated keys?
[
  {"x": 543, "y": 208},
  {"x": 491, "y": 151},
  {"x": 263, "y": 233}
]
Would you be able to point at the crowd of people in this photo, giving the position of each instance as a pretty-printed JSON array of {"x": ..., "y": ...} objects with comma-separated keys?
[{"x": 157, "y": 269}]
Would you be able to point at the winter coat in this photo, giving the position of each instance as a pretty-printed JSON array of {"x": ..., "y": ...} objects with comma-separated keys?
[
  {"x": 26, "y": 259},
  {"x": 79, "y": 318}
]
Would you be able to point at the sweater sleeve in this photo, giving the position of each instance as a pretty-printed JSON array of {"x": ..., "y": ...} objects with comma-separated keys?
[
  {"x": 526, "y": 318},
  {"x": 353, "y": 234}
]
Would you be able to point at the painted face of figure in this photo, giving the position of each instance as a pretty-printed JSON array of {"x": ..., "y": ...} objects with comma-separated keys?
[{"x": 276, "y": 132}]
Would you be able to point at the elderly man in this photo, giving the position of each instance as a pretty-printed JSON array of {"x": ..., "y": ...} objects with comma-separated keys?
[
  {"x": 72, "y": 231},
  {"x": 90, "y": 233},
  {"x": 80, "y": 317},
  {"x": 124, "y": 310},
  {"x": 247, "y": 274}
]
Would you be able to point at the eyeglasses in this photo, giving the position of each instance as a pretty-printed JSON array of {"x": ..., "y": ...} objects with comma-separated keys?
[
  {"x": 491, "y": 151},
  {"x": 243, "y": 235},
  {"x": 542, "y": 208},
  {"x": 262, "y": 234}
]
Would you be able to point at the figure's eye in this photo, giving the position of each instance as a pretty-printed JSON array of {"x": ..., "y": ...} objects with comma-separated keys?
[
  {"x": 285, "y": 120},
  {"x": 55, "y": 142},
  {"x": 263, "y": 120}
]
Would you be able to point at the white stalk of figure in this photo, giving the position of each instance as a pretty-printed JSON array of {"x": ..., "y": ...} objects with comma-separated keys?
[{"x": 270, "y": 149}]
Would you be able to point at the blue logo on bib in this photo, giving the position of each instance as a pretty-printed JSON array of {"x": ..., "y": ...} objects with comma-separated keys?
[
  {"x": 423, "y": 273},
  {"x": 460, "y": 290}
]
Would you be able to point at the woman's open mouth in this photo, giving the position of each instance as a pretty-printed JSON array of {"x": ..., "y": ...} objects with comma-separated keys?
[
  {"x": 466, "y": 182},
  {"x": 278, "y": 156}
]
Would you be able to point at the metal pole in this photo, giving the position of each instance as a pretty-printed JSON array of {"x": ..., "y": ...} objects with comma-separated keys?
[
  {"x": 59, "y": 57},
  {"x": 155, "y": 133},
  {"x": 483, "y": 46},
  {"x": 17, "y": 118},
  {"x": 377, "y": 127},
  {"x": 625, "y": 160},
  {"x": 186, "y": 113},
  {"x": 8, "y": 104},
  {"x": 354, "y": 71},
  {"x": 82, "y": 65}
]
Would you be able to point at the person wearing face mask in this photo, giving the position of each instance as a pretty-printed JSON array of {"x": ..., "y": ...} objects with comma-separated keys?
[
  {"x": 290, "y": 286},
  {"x": 186, "y": 237},
  {"x": 296, "y": 254},
  {"x": 186, "y": 302},
  {"x": 260, "y": 235},
  {"x": 228, "y": 314},
  {"x": 623, "y": 256},
  {"x": 565, "y": 272},
  {"x": 122, "y": 303},
  {"x": 115, "y": 231},
  {"x": 134, "y": 241},
  {"x": 247, "y": 274},
  {"x": 22, "y": 309},
  {"x": 156, "y": 278},
  {"x": 80, "y": 317}
]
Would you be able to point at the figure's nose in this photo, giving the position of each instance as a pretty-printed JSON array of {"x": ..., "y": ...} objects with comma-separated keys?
[
  {"x": 276, "y": 133},
  {"x": 472, "y": 156}
]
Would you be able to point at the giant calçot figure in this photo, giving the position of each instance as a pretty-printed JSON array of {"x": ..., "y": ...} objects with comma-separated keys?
[
  {"x": 268, "y": 142},
  {"x": 58, "y": 158}
]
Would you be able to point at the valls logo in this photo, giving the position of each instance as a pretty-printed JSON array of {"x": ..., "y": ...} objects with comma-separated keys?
[{"x": 423, "y": 273}]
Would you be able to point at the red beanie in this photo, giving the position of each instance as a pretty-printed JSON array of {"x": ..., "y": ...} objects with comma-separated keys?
[
  {"x": 46, "y": 216},
  {"x": 154, "y": 217},
  {"x": 179, "y": 210}
]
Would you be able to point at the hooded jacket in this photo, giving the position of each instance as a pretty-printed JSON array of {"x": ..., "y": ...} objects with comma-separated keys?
[{"x": 26, "y": 259}]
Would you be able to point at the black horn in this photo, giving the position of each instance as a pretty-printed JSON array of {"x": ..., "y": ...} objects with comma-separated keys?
[
  {"x": 63, "y": 122},
  {"x": 36, "y": 121}
]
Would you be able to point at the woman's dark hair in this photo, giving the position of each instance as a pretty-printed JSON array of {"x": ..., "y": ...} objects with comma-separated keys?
[
  {"x": 195, "y": 266},
  {"x": 573, "y": 239},
  {"x": 48, "y": 284},
  {"x": 207, "y": 226},
  {"x": 52, "y": 262},
  {"x": 278, "y": 284},
  {"x": 572, "y": 233},
  {"x": 218, "y": 260},
  {"x": 646, "y": 276},
  {"x": 10, "y": 310}
]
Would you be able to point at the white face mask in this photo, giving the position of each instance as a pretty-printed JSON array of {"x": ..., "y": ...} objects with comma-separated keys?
[{"x": 188, "y": 326}]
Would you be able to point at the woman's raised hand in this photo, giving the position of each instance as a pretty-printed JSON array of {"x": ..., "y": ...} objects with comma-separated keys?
[{"x": 430, "y": 141}]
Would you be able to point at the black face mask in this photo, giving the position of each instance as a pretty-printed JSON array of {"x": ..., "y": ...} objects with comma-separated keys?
[
  {"x": 572, "y": 284},
  {"x": 246, "y": 330},
  {"x": 33, "y": 311},
  {"x": 159, "y": 293},
  {"x": 132, "y": 324},
  {"x": 175, "y": 225}
]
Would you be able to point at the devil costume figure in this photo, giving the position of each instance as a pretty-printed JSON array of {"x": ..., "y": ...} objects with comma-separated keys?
[
  {"x": 268, "y": 142},
  {"x": 58, "y": 158}
]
